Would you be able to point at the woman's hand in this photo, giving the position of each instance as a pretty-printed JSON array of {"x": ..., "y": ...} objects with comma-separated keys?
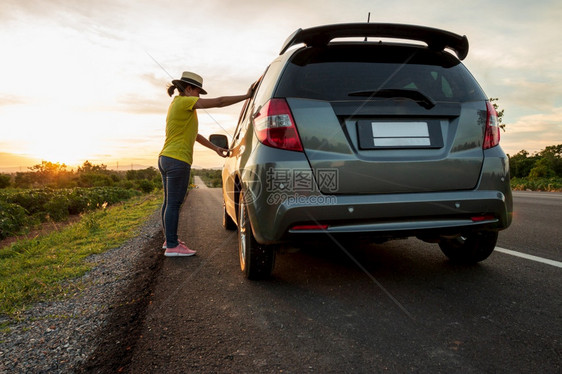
[
  {"x": 223, "y": 152},
  {"x": 252, "y": 89}
]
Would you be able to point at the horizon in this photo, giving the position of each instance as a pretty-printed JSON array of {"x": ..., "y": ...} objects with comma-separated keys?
[
  {"x": 124, "y": 166},
  {"x": 115, "y": 167}
]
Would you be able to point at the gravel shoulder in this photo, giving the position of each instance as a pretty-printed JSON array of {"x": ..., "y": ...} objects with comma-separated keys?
[{"x": 80, "y": 332}]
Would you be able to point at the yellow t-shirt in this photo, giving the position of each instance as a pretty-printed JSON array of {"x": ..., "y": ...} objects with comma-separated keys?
[{"x": 182, "y": 127}]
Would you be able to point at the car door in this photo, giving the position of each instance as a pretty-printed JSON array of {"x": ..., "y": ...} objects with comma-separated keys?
[{"x": 232, "y": 163}]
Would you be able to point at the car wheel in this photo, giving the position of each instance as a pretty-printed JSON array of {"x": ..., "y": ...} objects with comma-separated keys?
[
  {"x": 470, "y": 249},
  {"x": 227, "y": 222},
  {"x": 256, "y": 260}
]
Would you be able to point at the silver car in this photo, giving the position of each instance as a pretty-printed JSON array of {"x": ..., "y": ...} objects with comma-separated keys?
[{"x": 367, "y": 137}]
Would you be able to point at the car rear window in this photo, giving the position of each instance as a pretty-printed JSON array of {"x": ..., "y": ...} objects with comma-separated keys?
[{"x": 333, "y": 73}]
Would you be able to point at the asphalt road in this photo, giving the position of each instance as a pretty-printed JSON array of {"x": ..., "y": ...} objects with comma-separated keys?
[
  {"x": 536, "y": 225},
  {"x": 396, "y": 307}
]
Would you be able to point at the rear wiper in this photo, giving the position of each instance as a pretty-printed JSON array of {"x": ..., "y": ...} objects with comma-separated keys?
[{"x": 420, "y": 98}]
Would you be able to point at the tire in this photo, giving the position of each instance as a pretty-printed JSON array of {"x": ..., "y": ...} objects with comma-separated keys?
[
  {"x": 256, "y": 260},
  {"x": 470, "y": 249},
  {"x": 227, "y": 222}
]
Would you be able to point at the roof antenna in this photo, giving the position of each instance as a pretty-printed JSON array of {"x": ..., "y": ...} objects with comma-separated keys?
[{"x": 368, "y": 21}]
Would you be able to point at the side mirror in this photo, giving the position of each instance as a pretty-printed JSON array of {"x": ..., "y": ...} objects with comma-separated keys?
[{"x": 219, "y": 140}]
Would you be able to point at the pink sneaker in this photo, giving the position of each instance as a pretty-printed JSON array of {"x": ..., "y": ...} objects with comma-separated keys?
[
  {"x": 180, "y": 250},
  {"x": 165, "y": 245}
]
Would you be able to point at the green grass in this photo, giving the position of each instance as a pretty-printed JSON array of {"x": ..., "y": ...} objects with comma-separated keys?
[
  {"x": 553, "y": 184},
  {"x": 34, "y": 269}
]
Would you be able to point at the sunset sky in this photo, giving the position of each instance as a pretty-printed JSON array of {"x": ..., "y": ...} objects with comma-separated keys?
[{"x": 85, "y": 80}]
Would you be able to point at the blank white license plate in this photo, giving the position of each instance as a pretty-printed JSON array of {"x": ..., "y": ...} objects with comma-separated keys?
[{"x": 400, "y": 134}]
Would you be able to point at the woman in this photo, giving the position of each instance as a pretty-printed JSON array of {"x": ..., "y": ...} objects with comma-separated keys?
[{"x": 176, "y": 157}]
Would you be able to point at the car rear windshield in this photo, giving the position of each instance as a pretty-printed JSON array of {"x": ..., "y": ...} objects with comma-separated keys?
[{"x": 346, "y": 72}]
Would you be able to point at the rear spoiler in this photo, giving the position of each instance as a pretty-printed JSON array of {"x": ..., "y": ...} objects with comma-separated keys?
[{"x": 436, "y": 39}]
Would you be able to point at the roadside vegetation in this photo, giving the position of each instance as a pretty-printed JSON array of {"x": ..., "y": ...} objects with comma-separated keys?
[
  {"x": 84, "y": 211},
  {"x": 56, "y": 175},
  {"x": 35, "y": 269},
  {"x": 211, "y": 177},
  {"x": 49, "y": 192},
  {"x": 23, "y": 210},
  {"x": 541, "y": 171}
]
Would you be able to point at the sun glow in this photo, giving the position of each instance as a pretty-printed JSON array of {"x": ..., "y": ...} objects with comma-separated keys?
[
  {"x": 59, "y": 150},
  {"x": 56, "y": 137}
]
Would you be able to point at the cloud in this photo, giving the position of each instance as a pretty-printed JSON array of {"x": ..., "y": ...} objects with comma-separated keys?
[
  {"x": 68, "y": 12},
  {"x": 538, "y": 95},
  {"x": 6, "y": 100},
  {"x": 14, "y": 162},
  {"x": 533, "y": 132},
  {"x": 141, "y": 105},
  {"x": 546, "y": 123}
]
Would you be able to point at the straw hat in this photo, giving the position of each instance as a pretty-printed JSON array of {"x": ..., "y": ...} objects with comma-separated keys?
[{"x": 192, "y": 79}]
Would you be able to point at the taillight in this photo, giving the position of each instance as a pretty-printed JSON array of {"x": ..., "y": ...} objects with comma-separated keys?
[
  {"x": 492, "y": 133},
  {"x": 275, "y": 126}
]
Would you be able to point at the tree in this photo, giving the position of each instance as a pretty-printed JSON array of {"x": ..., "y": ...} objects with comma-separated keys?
[
  {"x": 46, "y": 172},
  {"x": 521, "y": 164},
  {"x": 500, "y": 112},
  {"x": 149, "y": 173},
  {"x": 551, "y": 159},
  {"x": 48, "y": 167},
  {"x": 5, "y": 180},
  {"x": 87, "y": 167},
  {"x": 544, "y": 164},
  {"x": 23, "y": 180},
  {"x": 541, "y": 170}
]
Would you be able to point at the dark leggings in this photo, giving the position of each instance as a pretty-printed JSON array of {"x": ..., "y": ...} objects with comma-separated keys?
[{"x": 175, "y": 179}]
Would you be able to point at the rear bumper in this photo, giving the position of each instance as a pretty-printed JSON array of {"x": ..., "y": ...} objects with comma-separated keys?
[
  {"x": 387, "y": 215},
  {"x": 274, "y": 212}
]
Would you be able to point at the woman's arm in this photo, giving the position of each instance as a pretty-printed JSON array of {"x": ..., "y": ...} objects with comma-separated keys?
[
  {"x": 203, "y": 141},
  {"x": 219, "y": 102}
]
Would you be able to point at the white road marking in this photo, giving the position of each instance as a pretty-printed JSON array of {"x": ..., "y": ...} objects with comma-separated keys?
[{"x": 529, "y": 257}]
